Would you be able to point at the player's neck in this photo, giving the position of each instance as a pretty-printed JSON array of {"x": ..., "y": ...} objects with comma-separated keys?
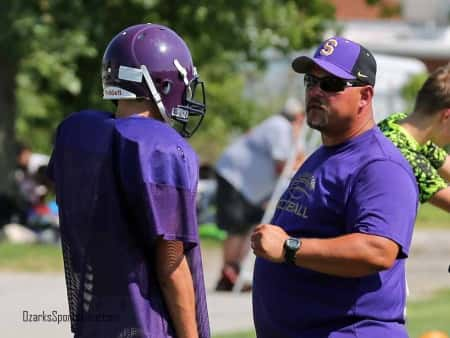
[
  {"x": 417, "y": 127},
  {"x": 126, "y": 108}
]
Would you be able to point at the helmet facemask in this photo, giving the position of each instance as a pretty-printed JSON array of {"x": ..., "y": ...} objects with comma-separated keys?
[{"x": 188, "y": 116}]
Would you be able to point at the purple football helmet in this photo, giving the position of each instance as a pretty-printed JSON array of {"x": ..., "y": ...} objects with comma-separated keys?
[{"x": 150, "y": 61}]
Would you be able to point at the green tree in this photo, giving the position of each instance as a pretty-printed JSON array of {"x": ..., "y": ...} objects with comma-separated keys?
[{"x": 51, "y": 63}]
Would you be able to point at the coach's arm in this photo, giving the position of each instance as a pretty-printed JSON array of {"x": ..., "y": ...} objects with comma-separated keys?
[
  {"x": 176, "y": 283},
  {"x": 351, "y": 255}
]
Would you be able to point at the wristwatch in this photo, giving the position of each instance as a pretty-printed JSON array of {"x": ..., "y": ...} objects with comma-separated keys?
[{"x": 291, "y": 246}]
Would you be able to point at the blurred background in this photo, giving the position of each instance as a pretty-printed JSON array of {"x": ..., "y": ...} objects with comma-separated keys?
[{"x": 50, "y": 60}]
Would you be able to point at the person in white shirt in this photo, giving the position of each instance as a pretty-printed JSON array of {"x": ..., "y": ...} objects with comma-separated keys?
[{"x": 247, "y": 173}]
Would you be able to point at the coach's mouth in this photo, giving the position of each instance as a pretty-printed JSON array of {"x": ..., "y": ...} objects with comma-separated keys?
[{"x": 315, "y": 106}]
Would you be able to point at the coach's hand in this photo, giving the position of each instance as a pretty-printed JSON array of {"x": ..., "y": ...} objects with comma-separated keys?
[{"x": 267, "y": 241}]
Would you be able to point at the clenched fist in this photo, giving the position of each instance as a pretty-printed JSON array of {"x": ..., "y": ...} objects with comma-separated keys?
[{"x": 267, "y": 241}]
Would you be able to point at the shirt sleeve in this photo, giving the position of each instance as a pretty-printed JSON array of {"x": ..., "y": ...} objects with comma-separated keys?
[
  {"x": 160, "y": 191},
  {"x": 427, "y": 177},
  {"x": 383, "y": 202},
  {"x": 435, "y": 154}
]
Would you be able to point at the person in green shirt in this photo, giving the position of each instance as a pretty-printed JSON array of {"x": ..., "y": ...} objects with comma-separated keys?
[{"x": 421, "y": 136}]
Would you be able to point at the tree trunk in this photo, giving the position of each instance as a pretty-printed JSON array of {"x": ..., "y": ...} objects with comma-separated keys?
[{"x": 7, "y": 122}]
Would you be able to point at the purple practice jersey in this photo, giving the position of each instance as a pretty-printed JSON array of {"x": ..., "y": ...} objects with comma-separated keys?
[
  {"x": 361, "y": 186},
  {"x": 121, "y": 183}
]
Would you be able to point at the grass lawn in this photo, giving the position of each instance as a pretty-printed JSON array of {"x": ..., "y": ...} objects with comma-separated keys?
[
  {"x": 423, "y": 316},
  {"x": 430, "y": 314},
  {"x": 432, "y": 217},
  {"x": 30, "y": 257}
]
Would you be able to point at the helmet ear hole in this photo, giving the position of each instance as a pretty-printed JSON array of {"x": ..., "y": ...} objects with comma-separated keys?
[{"x": 166, "y": 87}]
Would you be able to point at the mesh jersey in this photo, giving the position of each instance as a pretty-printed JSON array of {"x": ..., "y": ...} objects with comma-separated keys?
[
  {"x": 424, "y": 159},
  {"x": 120, "y": 184}
]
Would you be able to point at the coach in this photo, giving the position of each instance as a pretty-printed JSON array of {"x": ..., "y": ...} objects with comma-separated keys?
[{"x": 332, "y": 263}]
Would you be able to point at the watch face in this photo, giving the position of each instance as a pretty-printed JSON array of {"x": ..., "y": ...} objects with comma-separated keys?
[
  {"x": 291, "y": 246},
  {"x": 292, "y": 243}
]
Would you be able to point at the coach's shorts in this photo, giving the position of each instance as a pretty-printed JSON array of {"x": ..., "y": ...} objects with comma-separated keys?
[{"x": 234, "y": 213}]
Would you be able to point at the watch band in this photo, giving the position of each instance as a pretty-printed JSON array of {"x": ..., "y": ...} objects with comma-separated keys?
[{"x": 291, "y": 246}]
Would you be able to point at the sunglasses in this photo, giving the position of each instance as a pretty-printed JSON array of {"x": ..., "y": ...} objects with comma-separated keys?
[{"x": 331, "y": 84}]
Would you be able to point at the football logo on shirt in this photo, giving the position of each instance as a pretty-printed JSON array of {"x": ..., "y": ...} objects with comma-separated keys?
[
  {"x": 302, "y": 185},
  {"x": 297, "y": 194},
  {"x": 328, "y": 47}
]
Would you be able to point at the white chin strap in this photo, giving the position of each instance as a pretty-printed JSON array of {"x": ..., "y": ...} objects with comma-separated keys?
[
  {"x": 135, "y": 75},
  {"x": 155, "y": 94}
]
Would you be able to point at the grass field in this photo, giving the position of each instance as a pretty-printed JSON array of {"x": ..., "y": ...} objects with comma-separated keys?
[
  {"x": 423, "y": 316},
  {"x": 430, "y": 314},
  {"x": 30, "y": 257},
  {"x": 432, "y": 217}
]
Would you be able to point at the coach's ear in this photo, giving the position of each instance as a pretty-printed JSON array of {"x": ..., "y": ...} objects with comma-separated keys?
[{"x": 366, "y": 93}]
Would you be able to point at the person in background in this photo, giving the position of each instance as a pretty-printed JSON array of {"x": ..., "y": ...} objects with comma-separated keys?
[
  {"x": 421, "y": 136},
  {"x": 247, "y": 173},
  {"x": 30, "y": 161},
  {"x": 25, "y": 187}
]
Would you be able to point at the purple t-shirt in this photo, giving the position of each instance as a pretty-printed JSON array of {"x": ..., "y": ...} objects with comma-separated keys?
[
  {"x": 363, "y": 185},
  {"x": 121, "y": 183}
]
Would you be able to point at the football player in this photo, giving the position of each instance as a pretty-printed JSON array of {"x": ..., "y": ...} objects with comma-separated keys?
[{"x": 126, "y": 185}]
